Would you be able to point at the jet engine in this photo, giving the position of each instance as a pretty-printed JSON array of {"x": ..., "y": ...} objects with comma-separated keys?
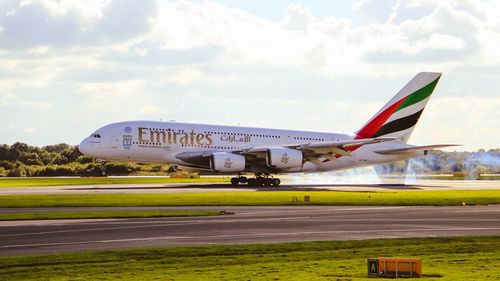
[
  {"x": 227, "y": 162},
  {"x": 284, "y": 158}
]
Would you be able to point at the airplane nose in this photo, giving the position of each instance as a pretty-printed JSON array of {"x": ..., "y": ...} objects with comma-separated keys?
[{"x": 84, "y": 147}]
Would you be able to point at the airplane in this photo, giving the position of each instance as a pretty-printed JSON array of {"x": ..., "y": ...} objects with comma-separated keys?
[{"x": 266, "y": 152}]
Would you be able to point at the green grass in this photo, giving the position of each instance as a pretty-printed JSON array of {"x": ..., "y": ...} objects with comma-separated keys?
[
  {"x": 106, "y": 214},
  {"x": 16, "y": 182},
  {"x": 251, "y": 198},
  {"x": 445, "y": 259}
]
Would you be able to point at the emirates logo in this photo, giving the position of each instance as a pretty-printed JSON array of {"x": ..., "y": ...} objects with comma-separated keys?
[
  {"x": 284, "y": 158},
  {"x": 228, "y": 163}
]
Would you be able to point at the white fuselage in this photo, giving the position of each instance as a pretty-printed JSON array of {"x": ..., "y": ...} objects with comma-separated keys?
[{"x": 152, "y": 141}]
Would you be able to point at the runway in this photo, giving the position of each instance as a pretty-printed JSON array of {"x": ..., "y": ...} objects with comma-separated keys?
[
  {"x": 246, "y": 225},
  {"x": 288, "y": 185}
]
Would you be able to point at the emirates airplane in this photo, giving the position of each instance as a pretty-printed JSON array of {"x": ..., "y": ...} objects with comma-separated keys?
[{"x": 264, "y": 152}]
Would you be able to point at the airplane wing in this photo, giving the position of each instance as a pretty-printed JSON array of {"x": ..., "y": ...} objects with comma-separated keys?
[
  {"x": 314, "y": 151},
  {"x": 410, "y": 149},
  {"x": 257, "y": 155}
]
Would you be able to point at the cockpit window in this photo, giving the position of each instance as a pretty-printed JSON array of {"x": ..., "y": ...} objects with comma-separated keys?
[{"x": 97, "y": 136}]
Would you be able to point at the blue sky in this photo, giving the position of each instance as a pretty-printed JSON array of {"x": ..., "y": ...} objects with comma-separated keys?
[{"x": 70, "y": 67}]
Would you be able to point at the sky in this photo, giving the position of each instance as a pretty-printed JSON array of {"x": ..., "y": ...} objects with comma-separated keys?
[{"x": 70, "y": 67}]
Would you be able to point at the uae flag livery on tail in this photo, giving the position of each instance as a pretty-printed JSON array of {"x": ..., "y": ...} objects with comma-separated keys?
[{"x": 398, "y": 117}]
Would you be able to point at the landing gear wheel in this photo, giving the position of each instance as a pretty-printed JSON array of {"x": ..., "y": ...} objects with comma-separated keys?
[
  {"x": 243, "y": 179},
  {"x": 268, "y": 182},
  {"x": 103, "y": 172},
  {"x": 235, "y": 181},
  {"x": 260, "y": 181},
  {"x": 252, "y": 182},
  {"x": 276, "y": 182}
]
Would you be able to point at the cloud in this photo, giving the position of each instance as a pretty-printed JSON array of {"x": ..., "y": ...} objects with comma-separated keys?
[
  {"x": 30, "y": 130},
  {"x": 457, "y": 120},
  {"x": 73, "y": 23},
  {"x": 370, "y": 11},
  {"x": 112, "y": 91},
  {"x": 297, "y": 17},
  {"x": 37, "y": 106},
  {"x": 153, "y": 110}
]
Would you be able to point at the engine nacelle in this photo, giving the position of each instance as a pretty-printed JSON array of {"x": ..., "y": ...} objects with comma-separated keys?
[
  {"x": 284, "y": 158},
  {"x": 227, "y": 162}
]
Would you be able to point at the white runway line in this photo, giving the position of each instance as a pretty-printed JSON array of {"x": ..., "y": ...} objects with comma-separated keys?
[{"x": 250, "y": 235}]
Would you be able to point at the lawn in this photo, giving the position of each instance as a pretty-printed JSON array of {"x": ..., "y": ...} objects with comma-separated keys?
[
  {"x": 446, "y": 259},
  {"x": 106, "y": 214},
  {"x": 252, "y": 198},
  {"x": 11, "y": 182}
]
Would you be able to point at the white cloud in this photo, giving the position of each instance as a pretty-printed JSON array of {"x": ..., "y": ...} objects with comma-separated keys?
[
  {"x": 73, "y": 23},
  {"x": 30, "y": 130},
  {"x": 378, "y": 11},
  {"x": 38, "y": 106},
  {"x": 444, "y": 42},
  {"x": 458, "y": 120},
  {"x": 39, "y": 50},
  {"x": 113, "y": 91},
  {"x": 153, "y": 110},
  {"x": 297, "y": 17}
]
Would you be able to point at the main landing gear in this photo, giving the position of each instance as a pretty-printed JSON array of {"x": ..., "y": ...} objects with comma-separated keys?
[
  {"x": 102, "y": 169},
  {"x": 259, "y": 180}
]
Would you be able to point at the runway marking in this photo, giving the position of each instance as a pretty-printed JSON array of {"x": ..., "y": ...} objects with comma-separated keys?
[
  {"x": 405, "y": 220},
  {"x": 241, "y": 235},
  {"x": 166, "y": 223},
  {"x": 477, "y": 211}
]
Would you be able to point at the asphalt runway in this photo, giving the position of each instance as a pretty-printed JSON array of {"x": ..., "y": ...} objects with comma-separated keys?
[
  {"x": 288, "y": 185},
  {"x": 246, "y": 225}
]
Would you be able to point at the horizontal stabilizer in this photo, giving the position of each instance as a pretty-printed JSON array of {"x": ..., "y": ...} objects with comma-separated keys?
[{"x": 413, "y": 149}]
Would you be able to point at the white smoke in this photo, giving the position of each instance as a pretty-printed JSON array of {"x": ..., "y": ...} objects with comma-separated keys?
[
  {"x": 481, "y": 162},
  {"x": 414, "y": 165},
  {"x": 471, "y": 164},
  {"x": 366, "y": 175}
]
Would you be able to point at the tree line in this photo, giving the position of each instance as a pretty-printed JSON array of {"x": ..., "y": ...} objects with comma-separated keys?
[{"x": 23, "y": 160}]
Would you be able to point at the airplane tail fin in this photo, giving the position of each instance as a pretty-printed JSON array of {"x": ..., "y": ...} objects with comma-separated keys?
[{"x": 400, "y": 115}]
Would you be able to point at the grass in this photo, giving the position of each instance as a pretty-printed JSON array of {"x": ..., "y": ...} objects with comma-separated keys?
[
  {"x": 17, "y": 182},
  {"x": 106, "y": 214},
  {"x": 251, "y": 198},
  {"x": 446, "y": 259},
  {"x": 450, "y": 177}
]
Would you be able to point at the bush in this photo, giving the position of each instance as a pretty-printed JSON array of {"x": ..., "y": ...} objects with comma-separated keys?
[
  {"x": 17, "y": 172},
  {"x": 7, "y": 165},
  {"x": 84, "y": 159},
  {"x": 32, "y": 161},
  {"x": 119, "y": 168},
  {"x": 184, "y": 175}
]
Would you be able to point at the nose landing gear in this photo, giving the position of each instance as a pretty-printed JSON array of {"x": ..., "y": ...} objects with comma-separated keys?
[{"x": 102, "y": 168}]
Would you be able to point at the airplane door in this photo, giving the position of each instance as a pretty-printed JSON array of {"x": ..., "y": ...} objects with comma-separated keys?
[{"x": 115, "y": 141}]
